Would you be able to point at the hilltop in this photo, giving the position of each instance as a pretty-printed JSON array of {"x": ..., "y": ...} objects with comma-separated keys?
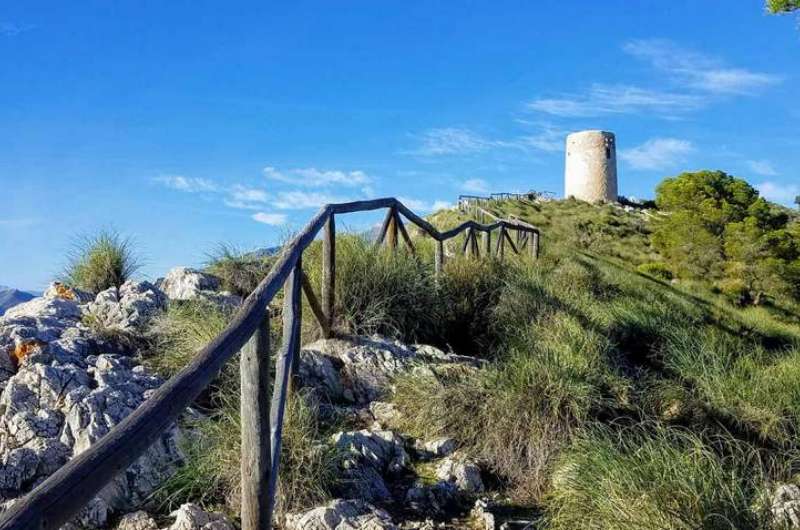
[{"x": 603, "y": 382}]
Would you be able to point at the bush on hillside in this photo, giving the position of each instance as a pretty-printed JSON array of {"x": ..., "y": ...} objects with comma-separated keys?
[
  {"x": 656, "y": 269},
  {"x": 97, "y": 262}
]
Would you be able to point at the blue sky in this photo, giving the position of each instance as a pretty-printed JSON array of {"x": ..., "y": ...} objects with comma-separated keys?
[{"x": 185, "y": 124}]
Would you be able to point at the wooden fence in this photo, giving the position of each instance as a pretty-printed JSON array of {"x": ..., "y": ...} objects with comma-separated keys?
[{"x": 59, "y": 498}]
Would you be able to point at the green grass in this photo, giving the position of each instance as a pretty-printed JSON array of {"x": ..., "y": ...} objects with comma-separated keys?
[
  {"x": 650, "y": 477},
  {"x": 99, "y": 261}
]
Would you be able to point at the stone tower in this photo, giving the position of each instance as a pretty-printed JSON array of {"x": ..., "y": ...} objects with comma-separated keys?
[{"x": 590, "y": 172}]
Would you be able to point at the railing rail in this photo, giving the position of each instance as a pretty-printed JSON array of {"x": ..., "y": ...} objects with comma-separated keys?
[{"x": 61, "y": 496}]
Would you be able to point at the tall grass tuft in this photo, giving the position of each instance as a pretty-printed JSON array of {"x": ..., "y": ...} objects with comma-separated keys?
[
  {"x": 651, "y": 477},
  {"x": 97, "y": 262},
  {"x": 239, "y": 272}
]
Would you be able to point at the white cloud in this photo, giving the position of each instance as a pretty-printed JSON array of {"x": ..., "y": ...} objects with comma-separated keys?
[
  {"x": 422, "y": 206},
  {"x": 452, "y": 141},
  {"x": 298, "y": 200},
  {"x": 762, "y": 167},
  {"x": 187, "y": 184},
  {"x": 602, "y": 99},
  {"x": 246, "y": 198},
  {"x": 475, "y": 186},
  {"x": 657, "y": 153},
  {"x": 698, "y": 70},
  {"x": 548, "y": 139},
  {"x": 312, "y": 176},
  {"x": 270, "y": 218},
  {"x": 777, "y": 192}
]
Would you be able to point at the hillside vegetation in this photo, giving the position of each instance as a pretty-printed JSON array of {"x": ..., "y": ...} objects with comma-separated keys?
[{"x": 627, "y": 383}]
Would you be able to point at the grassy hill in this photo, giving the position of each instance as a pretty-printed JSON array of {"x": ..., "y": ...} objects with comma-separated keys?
[{"x": 620, "y": 398}]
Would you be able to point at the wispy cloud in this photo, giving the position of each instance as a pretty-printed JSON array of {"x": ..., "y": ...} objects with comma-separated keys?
[
  {"x": 187, "y": 184},
  {"x": 10, "y": 29},
  {"x": 475, "y": 186},
  {"x": 423, "y": 206},
  {"x": 298, "y": 200},
  {"x": 452, "y": 141},
  {"x": 548, "y": 139},
  {"x": 657, "y": 153},
  {"x": 312, "y": 176},
  {"x": 601, "y": 99},
  {"x": 270, "y": 218},
  {"x": 778, "y": 192},
  {"x": 697, "y": 79},
  {"x": 698, "y": 70},
  {"x": 762, "y": 167},
  {"x": 246, "y": 198}
]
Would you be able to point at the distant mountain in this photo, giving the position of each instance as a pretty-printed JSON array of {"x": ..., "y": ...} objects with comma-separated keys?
[{"x": 9, "y": 297}]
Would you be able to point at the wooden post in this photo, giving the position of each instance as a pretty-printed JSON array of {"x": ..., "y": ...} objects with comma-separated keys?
[
  {"x": 501, "y": 240},
  {"x": 487, "y": 243},
  {"x": 385, "y": 226},
  {"x": 403, "y": 232},
  {"x": 316, "y": 308},
  {"x": 297, "y": 291},
  {"x": 475, "y": 252},
  {"x": 438, "y": 263},
  {"x": 329, "y": 275},
  {"x": 535, "y": 245},
  {"x": 511, "y": 243},
  {"x": 465, "y": 248},
  {"x": 254, "y": 411},
  {"x": 290, "y": 348},
  {"x": 391, "y": 234}
]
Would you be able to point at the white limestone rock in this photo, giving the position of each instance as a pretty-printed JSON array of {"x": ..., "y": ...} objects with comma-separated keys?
[
  {"x": 360, "y": 370},
  {"x": 140, "y": 520},
  {"x": 128, "y": 307},
  {"x": 191, "y": 517},
  {"x": 342, "y": 514},
  {"x": 785, "y": 506},
  {"x": 462, "y": 472}
]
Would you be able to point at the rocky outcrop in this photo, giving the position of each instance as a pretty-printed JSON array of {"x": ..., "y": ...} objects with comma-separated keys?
[
  {"x": 128, "y": 307},
  {"x": 183, "y": 283},
  {"x": 359, "y": 370},
  {"x": 342, "y": 515},
  {"x": 60, "y": 392}
]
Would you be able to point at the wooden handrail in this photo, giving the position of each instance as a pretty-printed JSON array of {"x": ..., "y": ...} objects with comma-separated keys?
[{"x": 59, "y": 498}]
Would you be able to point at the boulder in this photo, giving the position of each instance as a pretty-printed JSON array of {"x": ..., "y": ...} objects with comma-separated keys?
[
  {"x": 785, "y": 506},
  {"x": 137, "y": 521},
  {"x": 191, "y": 517},
  {"x": 360, "y": 370},
  {"x": 369, "y": 457},
  {"x": 341, "y": 515},
  {"x": 437, "y": 448},
  {"x": 128, "y": 307},
  {"x": 183, "y": 283},
  {"x": 462, "y": 472},
  {"x": 431, "y": 499}
]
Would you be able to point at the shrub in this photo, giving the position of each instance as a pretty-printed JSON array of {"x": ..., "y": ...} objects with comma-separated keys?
[
  {"x": 656, "y": 269},
  {"x": 239, "y": 272},
  {"x": 97, "y": 262},
  {"x": 656, "y": 478},
  {"x": 469, "y": 291},
  {"x": 378, "y": 291}
]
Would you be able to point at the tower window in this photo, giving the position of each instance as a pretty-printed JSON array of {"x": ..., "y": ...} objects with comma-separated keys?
[{"x": 608, "y": 152}]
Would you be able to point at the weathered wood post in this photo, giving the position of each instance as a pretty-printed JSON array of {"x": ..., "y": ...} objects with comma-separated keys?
[
  {"x": 501, "y": 242},
  {"x": 254, "y": 411},
  {"x": 438, "y": 260},
  {"x": 283, "y": 368},
  {"x": 391, "y": 233},
  {"x": 475, "y": 251},
  {"x": 535, "y": 245},
  {"x": 467, "y": 245},
  {"x": 329, "y": 274},
  {"x": 487, "y": 243}
]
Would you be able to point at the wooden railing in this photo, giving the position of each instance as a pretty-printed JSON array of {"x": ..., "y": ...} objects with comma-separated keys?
[
  {"x": 465, "y": 202},
  {"x": 59, "y": 498}
]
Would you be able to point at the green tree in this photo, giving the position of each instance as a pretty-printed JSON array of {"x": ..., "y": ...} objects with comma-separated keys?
[
  {"x": 782, "y": 6},
  {"x": 716, "y": 226}
]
